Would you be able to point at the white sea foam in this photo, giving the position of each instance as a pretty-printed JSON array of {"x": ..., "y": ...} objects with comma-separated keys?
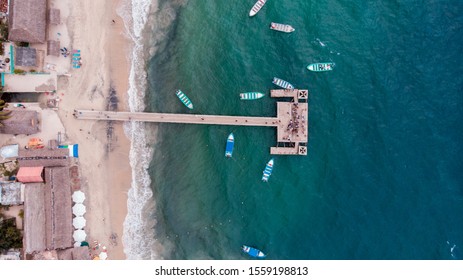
[{"x": 139, "y": 237}]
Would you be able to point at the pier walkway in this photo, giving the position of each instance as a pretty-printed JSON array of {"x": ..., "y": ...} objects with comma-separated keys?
[
  {"x": 291, "y": 121},
  {"x": 176, "y": 118}
]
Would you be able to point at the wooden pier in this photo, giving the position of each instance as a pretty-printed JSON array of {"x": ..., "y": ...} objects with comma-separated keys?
[{"x": 291, "y": 120}]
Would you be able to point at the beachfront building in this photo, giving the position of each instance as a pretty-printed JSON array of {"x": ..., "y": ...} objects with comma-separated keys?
[
  {"x": 34, "y": 48},
  {"x": 25, "y": 57},
  {"x": 27, "y": 21},
  {"x": 30, "y": 174},
  {"x": 47, "y": 206},
  {"x": 47, "y": 213}
]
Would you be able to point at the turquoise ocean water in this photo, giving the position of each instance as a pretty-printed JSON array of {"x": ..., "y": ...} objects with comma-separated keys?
[{"x": 383, "y": 178}]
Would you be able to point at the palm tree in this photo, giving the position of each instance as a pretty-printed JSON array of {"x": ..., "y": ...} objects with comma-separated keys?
[{"x": 4, "y": 115}]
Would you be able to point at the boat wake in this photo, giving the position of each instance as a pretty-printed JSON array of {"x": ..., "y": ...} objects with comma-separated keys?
[
  {"x": 453, "y": 250},
  {"x": 324, "y": 45}
]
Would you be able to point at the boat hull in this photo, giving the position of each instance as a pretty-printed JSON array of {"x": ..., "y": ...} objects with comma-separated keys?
[
  {"x": 256, "y": 8},
  {"x": 320, "y": 67},
  {"x": 281, "y": 27},
  {"x": 282, "y": 83},
  {"x": 185, "y": 100},
  {"x": 229, "y": 146},
  {"x": 253, "y": 252},
  {"x": 251, "y": 95},
  {"x": 267, "y": 171}
]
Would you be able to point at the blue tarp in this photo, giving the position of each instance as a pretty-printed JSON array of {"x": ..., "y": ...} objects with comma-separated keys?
[{"x": 73, "y": 149}]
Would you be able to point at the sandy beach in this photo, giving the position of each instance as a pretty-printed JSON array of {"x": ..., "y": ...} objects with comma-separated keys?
[
  {"x": 96, "y": 29},
  {"x": 101, "y": 83}
]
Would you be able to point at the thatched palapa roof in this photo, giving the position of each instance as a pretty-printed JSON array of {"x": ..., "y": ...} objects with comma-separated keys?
[
  {"x": 78, "y": 253},
  {"x": 54, "y": 16},
  {"x": 53, "y": 48},
  {"x": 27, "y": 21},
  {"x": 47, "y": 213},
  {"x": 34, "y": 239},
  {"x": 21, "y": 122}
]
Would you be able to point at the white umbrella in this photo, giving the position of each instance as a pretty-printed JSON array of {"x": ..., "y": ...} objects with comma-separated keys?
[
  {"x": 79, "y": 235},
  {"x": 77, "y": 244},
  {"x": 103, "y": 256},
  {"x": 78, "y": 197},
  {"x": 78, "y": 209},
  {"x": 79, "y": 222}
]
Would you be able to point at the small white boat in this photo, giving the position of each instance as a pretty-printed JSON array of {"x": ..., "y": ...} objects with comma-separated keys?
[
  {"x": 282, "y": 27},
  {"x": 256, "y": 8}
]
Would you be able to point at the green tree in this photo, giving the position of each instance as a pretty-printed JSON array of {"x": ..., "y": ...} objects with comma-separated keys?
[
  {"x": 4, "y": 114},
  {"x": 10, "y": 236}
]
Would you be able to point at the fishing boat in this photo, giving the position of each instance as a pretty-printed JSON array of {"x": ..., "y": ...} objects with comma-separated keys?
[
  {"x": 253, "y": 252},
  {"x": 282, "y": 27},
  {"x": 251, "y": 95},
  {"x": 267, "y": 171},
  {"x": 321, "y": 67},
  {"x": 229, "y": 147},
  {"x": 256, "y": 8},
  {"x": 282, "y": 83},
  {"x": 185, "y": 100}
]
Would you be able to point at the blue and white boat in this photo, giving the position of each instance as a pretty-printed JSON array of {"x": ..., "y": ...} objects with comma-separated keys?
[
  {"x": 282, "y": 83},
  {"x": 229, "y": 147},
  {"x": 251, "y": 95},
  {"x": 321, "y": 66},
  {"x": 253, "y": 252},
  {"x": 185, "y": 100},
  {"x": 268, "y": 170}
]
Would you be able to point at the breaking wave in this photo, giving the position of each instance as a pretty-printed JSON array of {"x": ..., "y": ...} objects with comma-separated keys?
[{"x": 146, "y": 23}]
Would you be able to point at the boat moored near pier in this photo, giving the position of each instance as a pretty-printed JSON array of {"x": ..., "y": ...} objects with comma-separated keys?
[
  {"x": 282, "y": 83},
  {"x": 185, "y": 100},
  {"x": 251, "y": 95},
  {"x": 229, "y": 147}
]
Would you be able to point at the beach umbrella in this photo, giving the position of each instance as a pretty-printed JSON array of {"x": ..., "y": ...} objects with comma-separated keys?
[
  {"x": 78, "y": 209},
  {"x": 79, "y": 235},
  {"x": 103, "y": 256},
  {"x": 77, "y": 244},
  {"x": 78, "y": 197},
  {"x": 79, "y": 222},
  {"x": 84, "y": 243}
]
